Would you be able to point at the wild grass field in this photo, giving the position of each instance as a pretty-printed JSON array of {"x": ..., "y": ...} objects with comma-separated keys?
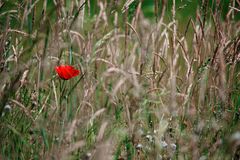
[{"x": 158, "y": 80}]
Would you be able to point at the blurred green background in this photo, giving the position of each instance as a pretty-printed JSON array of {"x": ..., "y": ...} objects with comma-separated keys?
[{"x": 186, "y": 9}]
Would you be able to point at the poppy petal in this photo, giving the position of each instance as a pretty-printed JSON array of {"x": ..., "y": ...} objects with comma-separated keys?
[{"x": 66, "y": 71}]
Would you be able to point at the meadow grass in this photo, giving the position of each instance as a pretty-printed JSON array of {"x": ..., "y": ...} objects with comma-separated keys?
[{"x": 149, "y": 88}]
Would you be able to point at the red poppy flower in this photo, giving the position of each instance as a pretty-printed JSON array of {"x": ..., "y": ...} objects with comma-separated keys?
[{"x": 66, "y": 72}]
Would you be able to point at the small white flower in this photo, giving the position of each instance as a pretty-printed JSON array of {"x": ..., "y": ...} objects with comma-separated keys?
[
  {"x": 173, "y": 146},
  {"x": 89, "y": 154},
  {"x": 163, "y": 144},
  {"x": 139, "y": 146},
  {"x": 149, "y": 137},
  {"x": 7, "y": 108}
]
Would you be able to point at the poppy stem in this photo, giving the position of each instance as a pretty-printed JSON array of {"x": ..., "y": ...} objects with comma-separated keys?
[
  {"x": 70, "y": 91},
  {"x": 60, "y": 97},
  {"x": 62, "y": 90}
]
